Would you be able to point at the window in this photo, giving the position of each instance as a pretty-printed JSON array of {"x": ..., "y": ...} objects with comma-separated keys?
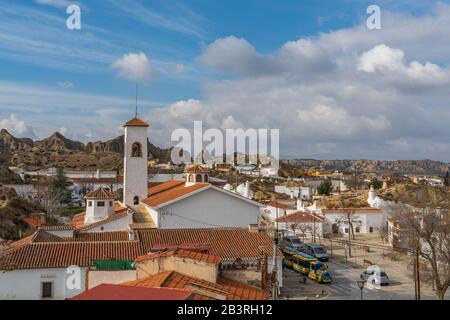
[
  {"x": 198, "y": 178},
  {"x": 136, "y": 200},
  {"x": 191, "y": 178},
  {"x": 371, "y": 229},
  {"x": 101, "y": 204},
  {"x": 47, "y": 290},
  {"x": 357, "y": 229},
  {"x": 90, "y": 204},
  {"x": 346, "y": 230},
  {"x": 136, "y": 150},
  {"x": 111, "y": 203},
  {"x": 206, "y": 178}
]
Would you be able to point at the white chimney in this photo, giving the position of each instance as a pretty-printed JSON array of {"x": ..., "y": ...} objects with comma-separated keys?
[
  {"x": 247, "y": 190},
  {"x": 372, "y": 195},
  {"x": 300, "y": 205},
  {"x": 98, "y": 174}
]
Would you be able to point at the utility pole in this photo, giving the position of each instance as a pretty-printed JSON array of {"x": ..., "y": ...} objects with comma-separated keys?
[
  {"x": 417, "y": 275},
  {"x": 275, "y": 264}
]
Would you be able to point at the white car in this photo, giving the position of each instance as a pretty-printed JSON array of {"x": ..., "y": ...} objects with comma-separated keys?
[{"x": 375, "y": 275}]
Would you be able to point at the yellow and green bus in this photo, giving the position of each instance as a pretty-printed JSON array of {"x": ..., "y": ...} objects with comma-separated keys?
[{"x": 307, "y": 265}]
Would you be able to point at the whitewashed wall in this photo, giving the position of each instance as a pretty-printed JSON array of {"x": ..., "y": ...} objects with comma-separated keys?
[
  {"x": 207, "y": 209},
  {"x": 26, "y": 284}
]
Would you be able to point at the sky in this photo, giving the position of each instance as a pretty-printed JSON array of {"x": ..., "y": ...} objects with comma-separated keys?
[{"x": 334, "y": 88}]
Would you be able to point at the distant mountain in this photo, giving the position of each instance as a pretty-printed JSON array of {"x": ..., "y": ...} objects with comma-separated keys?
[
  {"x": 56, "y": 146},
  {"x": 400, "y": 166}
]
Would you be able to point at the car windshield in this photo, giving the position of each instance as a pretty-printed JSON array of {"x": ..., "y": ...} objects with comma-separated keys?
[
  {"x": 295, "y": 240},
  {"x": 319, "y": 250}
]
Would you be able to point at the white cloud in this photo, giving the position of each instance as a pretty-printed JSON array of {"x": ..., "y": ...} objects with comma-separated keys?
[
  {"x": 16, "y": 127},
  {"x": 134, "y": 66},
  {"x": 385, "y": 59}
]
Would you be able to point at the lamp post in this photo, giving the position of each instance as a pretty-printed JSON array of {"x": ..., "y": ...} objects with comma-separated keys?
[{"x": 361, "y": 284}]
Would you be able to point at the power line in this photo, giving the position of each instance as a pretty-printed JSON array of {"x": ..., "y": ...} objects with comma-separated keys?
[{"x": 192, "y": 220}]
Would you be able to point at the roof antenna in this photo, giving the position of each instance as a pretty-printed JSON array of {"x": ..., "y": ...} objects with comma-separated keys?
[{"x": 136, "y": 100}]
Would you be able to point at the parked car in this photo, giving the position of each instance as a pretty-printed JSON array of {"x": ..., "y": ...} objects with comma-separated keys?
[
  {"x": 375, "y": 275},
  {"x": 318, "y": 251},
  {"x": 294, "y": 242}
]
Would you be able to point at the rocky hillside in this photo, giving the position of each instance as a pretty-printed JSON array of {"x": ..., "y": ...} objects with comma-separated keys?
[
  {"x": 58, "y": 150},
  {"x": 400, "y": 166},
  {"x": 12, "y": 208}
]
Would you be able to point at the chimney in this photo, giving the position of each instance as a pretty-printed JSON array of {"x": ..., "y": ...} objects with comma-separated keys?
[
  {"x": 300, "y": 205},
  {"x": 131, "y": 235},
  {"x": 98, "y": 174},
  {"x": 247, "y": 190}
]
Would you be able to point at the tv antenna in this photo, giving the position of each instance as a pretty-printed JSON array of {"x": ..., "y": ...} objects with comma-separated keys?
[{"x": 137, "y": 88}]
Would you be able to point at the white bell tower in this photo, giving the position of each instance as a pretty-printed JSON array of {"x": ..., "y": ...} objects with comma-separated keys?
[{"x": 135, "y": 162}]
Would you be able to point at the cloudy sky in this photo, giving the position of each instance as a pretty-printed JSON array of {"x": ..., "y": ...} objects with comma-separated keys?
[{"x": 334, "y": 88}]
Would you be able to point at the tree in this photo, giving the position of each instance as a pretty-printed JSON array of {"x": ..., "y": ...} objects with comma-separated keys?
[
  {"x": 325, "y": 188},
  {"x": 57, "y": 191},
  {"x": 428, "y": 230},
  {"x": 376, "y": 184},
  {"x": 447, "y": 179}
]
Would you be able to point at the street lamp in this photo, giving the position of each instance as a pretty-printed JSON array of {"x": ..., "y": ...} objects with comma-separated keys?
[{"x": 361, "y": 284}]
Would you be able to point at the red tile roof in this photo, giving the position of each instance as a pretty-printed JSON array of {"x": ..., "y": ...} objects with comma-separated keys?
[
  {"x": 99, "y": 236},
  {"x": 32, "y": 221},
  {"x": 226, "y": 243},
  {"x": 122, "y": 292},
  {"x": 63, "y": 254},
  {"x": 300, "y": 216},
  {"x": 100, "y": 193},
  {"x": 192, "y": 255},
  {"x": 196, "y": 168},
  {"x": 111, "y": 218},
  {"x": 136, "y": 122},
  {"x": 203, "y": 290},
  {"x": 107, "y": 181},
  {"x": 279, "y": 205},
  {"x": 170, "y": 191}
]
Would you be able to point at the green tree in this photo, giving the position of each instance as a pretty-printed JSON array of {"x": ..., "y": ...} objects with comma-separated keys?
[
  {"x": 58, "y": 189},
  {"x": 376, "y": 184},
  {"x": 325, "y": 188}
]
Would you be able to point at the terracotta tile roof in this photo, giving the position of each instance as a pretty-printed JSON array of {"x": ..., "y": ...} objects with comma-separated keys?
[
  {"x": 136, "y": 122},
  {"x": 161, "y": 187},
  {"x": 198, "y": 256},
  {"x": 111, "y": 218},
  {"x": 203, "y": 290},
  {"x": 32, "y": 221},
  {"x": 99, "y": 236},
  {"x": 356, "y": 210},
  {"x": 42, "y": 236},
  {"x": 63, "y": 254},
  {"x": 279, "y": 205},
  {"x": 78, "y": 219},
  {"x": 300, "y": 216},
  {"x": 196, "y": 168},
  {"x": 96, "y": 180},
  {"x": 100, "y": 193},
  {"x": 121, "y": 292},
  {"x": 56, "y": 228},
  {"x": 226, "y": 243},
  {"x": 162, "y": 197}
]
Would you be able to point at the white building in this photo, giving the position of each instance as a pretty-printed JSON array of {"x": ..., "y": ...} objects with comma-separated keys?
[{"x": 364, "y": 220}]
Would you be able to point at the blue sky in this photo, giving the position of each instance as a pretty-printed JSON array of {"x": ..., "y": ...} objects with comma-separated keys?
[{"x": 227, "y": 63}]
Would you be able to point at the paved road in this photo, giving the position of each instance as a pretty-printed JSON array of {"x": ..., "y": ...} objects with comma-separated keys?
[{"x": 344, "y": 286}]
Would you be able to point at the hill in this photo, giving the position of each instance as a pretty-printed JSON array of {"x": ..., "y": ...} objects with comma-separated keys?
[
  {"x": 376, "y": 166},
  {"x": 57, "y": 150}
]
